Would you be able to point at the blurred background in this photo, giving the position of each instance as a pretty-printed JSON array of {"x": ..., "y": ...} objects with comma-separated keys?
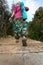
[{"x": 34, "y": 21}]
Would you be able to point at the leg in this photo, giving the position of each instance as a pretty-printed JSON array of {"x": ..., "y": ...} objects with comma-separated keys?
[
  {"x": 16, "y": 28},
  {"x": 24, "y": 39},
  {"x": 24, "y": 33},
  {"x": 16, "y": 37}
]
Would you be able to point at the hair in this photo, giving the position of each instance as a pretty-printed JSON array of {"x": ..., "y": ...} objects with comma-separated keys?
[{"x": 18, "y": 2}]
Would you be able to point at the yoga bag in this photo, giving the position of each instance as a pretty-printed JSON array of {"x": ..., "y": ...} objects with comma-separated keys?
[{"x": 24, "y": 14}]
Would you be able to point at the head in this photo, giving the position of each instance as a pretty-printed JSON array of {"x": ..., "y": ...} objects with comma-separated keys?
[{"x": 17, "y": 1}]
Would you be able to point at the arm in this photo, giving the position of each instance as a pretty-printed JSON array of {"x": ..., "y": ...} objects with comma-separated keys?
[{"x": 12, "y": 14}]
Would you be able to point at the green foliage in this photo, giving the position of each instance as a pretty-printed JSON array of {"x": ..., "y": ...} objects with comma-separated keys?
[
  {"x": 4, "y": 16},
  {"x": 10, "y": 29},
  {"x": 36, "y": 26}
]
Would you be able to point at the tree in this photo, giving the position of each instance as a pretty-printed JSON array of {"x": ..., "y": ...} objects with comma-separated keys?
[
  {"x": 4, "y": 14},
  {"x": 10, "y": 27},
  {"x": 36, "y": 26}
]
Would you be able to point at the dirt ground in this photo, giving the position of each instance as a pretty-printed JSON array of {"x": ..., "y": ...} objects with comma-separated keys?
[
  {"x": 14, "y": 53},
  {"x": 9, "y": 45}
]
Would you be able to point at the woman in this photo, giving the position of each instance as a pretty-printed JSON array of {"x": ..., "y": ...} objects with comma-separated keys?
[{"x": 20, "y": 28}]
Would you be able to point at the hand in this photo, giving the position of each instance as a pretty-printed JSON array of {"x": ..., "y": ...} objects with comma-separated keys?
[{"x": 10, "y": 19}]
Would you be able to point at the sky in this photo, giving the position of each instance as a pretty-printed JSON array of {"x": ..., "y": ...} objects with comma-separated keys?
[{"x": 32, "y": 4}]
